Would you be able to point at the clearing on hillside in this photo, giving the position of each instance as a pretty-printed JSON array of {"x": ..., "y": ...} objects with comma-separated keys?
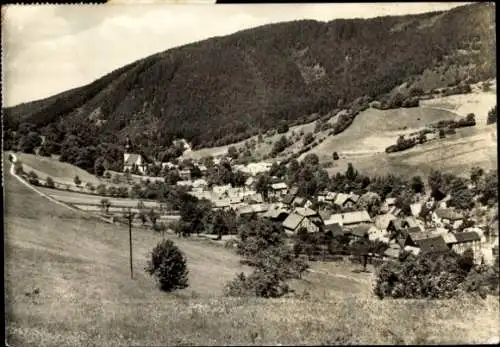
[{"x": 59, "y": 171}]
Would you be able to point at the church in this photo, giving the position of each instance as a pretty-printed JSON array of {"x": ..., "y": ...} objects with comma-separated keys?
[{"x": 133, "y": 160}]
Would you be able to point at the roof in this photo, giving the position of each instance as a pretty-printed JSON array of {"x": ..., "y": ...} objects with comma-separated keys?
[
  {"x": 469, "y": 236},
  {"x": 248, "y": 209},
  {"x": 288, "y": 199},
  {"x": 304, "y": 211},
  {"x": 411, "y": 230},
  {"x": 249, "y": 181},
  {"x": 334, "y": 219},
  {"x": 392, "y": 252},
  {"x": 412, "y": 222},
  {"x": 275, "y": 213},
  {"x": 341, "y": 199},
  {"x": 449, "y": 238},
  {"x": 383, "y": 220},
  {"x": 299, "y": 200},
  {"x": 132, "y": 159},
  {"x": 279, "y": 186},
  {"x": 411, "y": 249},
  {"x": 259, "y": 208},
  {"x": 448, "y": 213},
  {"x": 222, "y": 203},
  {"x": 347, "y": 218},
  {"x": 200, "y": 182},
  {"x": 390, "y": 201},
  {"x": 235, "y": 200},
  {"x": 335, "y": 229},
  {"x": 432, "y": 244},
  {"x": 360, "y": 230},
  {"x": 354, "y": 197},
  {"x": 255, "y": 197},
  {"x": 292, "y": 221}
]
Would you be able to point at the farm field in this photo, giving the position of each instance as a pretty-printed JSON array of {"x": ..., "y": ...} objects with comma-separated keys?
[
  {"x": 86, "y": 296},
  {"x": 59, "y": 171}
]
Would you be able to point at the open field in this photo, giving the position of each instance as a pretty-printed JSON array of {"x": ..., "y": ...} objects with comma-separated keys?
[
  {"x": 59, "y": 171},
  {"x": 80, "y": 266},
  {"x": 81, "y": 198}
]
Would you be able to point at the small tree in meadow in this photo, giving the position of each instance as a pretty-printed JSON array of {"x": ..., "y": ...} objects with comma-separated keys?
[
  {"x": 169, "y": 266},
  {"x": 335, "y": 156},
  {"x": 105, "y": 204},
  {"x": 49, "y": 182},
  {"x": 77, "y": 180}
]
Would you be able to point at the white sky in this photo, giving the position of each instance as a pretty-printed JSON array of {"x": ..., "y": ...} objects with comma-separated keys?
[{"x": 48, "y": 49}]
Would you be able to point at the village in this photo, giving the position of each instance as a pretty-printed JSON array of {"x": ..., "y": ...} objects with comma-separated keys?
[{"x": 441, "y": 227}]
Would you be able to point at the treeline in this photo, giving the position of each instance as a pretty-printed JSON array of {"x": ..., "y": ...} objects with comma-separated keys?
[{"x": 251, "y": 81}]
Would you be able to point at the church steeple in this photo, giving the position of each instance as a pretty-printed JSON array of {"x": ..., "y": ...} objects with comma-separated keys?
[{"x": 128, "y": 145}]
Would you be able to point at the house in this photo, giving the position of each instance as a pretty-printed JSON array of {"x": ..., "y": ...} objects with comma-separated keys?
[
  {"x": 276, "y": 214},
  {"x": 251, "y": 209},
  {"x": 308, "y": 204},
  {"x": 278, "y": 189},
  {"x": 307, "y": 212},
  {"x": 293, "y": 191},
  {"x": 493, "y": 233},
  {"x": 413, "y": 250},
  {"x": 294, "y": 222},
  {"x": 330, "y": 196},
  {"x": 222, "y": 204},
  {"x": 254, "y": 198},
  {"x": 442, "y": 217},
  {"x": 434, "y": 244},
  {"x": 350, "y": 218},
  {"x": 359, "y": 231},
  {"x": 200, "y": 183},
  {"x": 345, "y": 200},
  {"x": 134, "y": 160},
  {"x": 288, "y": 199},
  {"x": 325, "y": 214},
  {"x": 466, "y": 240},
  {"x": 392, "y": 252},
  {"x": 220, "y": 190}
]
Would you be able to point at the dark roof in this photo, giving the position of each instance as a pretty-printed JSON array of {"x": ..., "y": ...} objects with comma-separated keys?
[
  {"x": 288, "y": 199},
  {"x": 467, "y": 237},
  {"x": 360, "y": 230},
  {"x": 448, "y": 213},
  {"x": 397, "y": 223},
  {"x": 414, "y": 230},
  {"x": 293, "y": 191},
  {"x": 432, "y": 245},
  {"x": 335, "y": 229}
]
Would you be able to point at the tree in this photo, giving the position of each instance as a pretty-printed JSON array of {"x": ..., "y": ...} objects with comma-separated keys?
[
  {"x": 311, "y": 160},
  {"x": 99, "y": 166},
  {"x": 280, "y": 145},
  {"x": 169, "y": 266},
  {"x": 49, "y": 182},
  {"x": 77, "y": 180},
  {"x": 417, "y": 184},
  {"x": 232, "y": 152},
  {"x": 335, "y": 156},
  {"x": 492, "y": 115},
  {"x": 475, "y": 174},
  {"x": 351, "y": 173},
  {"x": 308, "y": 138},
  {"x": 262, "y": 185},
  {"x": 29, "y": 142},
  {"x": 153, "y": 217},
  {"x": 283, "y": 128},
  {"x": 90, "y": 186},
  {"x": 105, "y": 204},
  {"x": 442, "y": 134}
]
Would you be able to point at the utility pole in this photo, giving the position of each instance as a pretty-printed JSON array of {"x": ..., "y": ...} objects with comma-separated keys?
[{"x": 129, "y": 215}]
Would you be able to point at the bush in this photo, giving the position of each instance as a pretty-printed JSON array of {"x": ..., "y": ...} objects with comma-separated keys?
[
  {"x": 259, "y": 283},
  {"x": 77, "y": 180},
  {"x": 90, "y": 186},
  {"x": 49, "y": 182},
  {"x": 101, "y": 189},
  {"x": 335, "y": 156},
  {"x": 18, "y": 167},
  {"x": 168, "y": 265},
  {"x": 33, "y": 178}
]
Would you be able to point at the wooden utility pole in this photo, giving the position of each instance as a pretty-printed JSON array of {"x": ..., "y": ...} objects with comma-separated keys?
[{"x": 129, "y": 215}]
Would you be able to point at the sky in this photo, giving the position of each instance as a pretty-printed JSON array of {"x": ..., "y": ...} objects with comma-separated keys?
[{"x": 48, "y": 49}]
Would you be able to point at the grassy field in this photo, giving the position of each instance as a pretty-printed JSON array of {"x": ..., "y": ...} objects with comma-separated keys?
[
  {"x": 86, "y": 297},
  {"x": 59, "y": 171}
]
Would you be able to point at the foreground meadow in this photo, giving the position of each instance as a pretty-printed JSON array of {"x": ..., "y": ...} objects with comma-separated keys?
[{"x": 68, "y": 283}]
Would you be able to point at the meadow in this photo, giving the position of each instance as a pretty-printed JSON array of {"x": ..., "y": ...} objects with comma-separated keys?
[{"x": 86, "y": 297}]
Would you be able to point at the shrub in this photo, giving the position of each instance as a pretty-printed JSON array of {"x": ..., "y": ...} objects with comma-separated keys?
[
  {"x": 107, "y": 175},
  {"x": 335, "y": 156},
  {"x": 159, "y": 227},
  {"x": 168, "y": 265},
  {"x": 259, "y": 283},
  {"x": 18, "y": 168},
  {"x": 90, "y": 186},
  {"x": 49, "y": 182},
  {"x": 101, "y": 189},
  {"x": 77, "y": 180}
]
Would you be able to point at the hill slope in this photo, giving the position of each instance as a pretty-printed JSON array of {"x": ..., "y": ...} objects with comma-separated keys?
[{"x": 225, "y": 89}]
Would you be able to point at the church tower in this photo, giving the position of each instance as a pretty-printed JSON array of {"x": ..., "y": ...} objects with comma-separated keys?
[{"x": 128, "y": 149}]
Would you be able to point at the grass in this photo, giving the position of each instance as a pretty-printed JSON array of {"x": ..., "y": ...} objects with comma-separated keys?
[
  {"x": 86, "y": 297},
  {"x": 59, "y": 171}
]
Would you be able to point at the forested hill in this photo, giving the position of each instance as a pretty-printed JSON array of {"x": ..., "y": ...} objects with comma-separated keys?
[{"x": 227, "y": 88}]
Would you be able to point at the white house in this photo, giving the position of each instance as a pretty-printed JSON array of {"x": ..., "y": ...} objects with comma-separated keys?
[
  {"x": 131, "y": 160},
  {"x": 442, "y": 217}
]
